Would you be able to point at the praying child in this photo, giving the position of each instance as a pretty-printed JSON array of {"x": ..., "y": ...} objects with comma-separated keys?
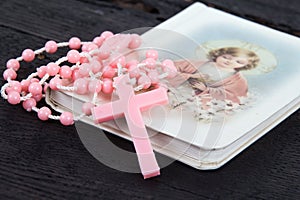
[{"x": 218, "y": 78}]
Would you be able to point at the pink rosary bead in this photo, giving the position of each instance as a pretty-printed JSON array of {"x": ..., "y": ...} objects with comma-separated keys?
[
  {"x": 150, "y": 63},
  {"x": 15, "y": 86},
  {"x": 65, "y": 72},
  {"x": 52, "y": 68},
  {"x": 81, "y": 86},
  {"x": 41, "y": 71},
  {"x": 96, "y": 66},
  {"x": 38, "y": 97},
  {"x": 66, "y": 118},
  {"x": 131, "y": 62},
  {"x": 168, "y": 63},
  {"x": 74, "y": 43},
  {"x": 75, "y": 74},
  {"x": 25, "y": 84},
  {"x": 106, "y": 34},
  {"x": 13, "y": 97},
  {"x": 54, "y": 82},
  {"x": 107, "y": 86},
  {"x": 51, "y": 47},
  {"x": 98, "y": 41},
  {"x": 85, "y": 69},
  {"x": 28, "y": 55},
  {"x": 154, "y": 77},
  {"x": 29, "y": 104},
  {"x": 91, "y": 47},
  {"x": 95, "y": 86},
  {"x": 152, "y": 54},
  {"x": 108, "y": 72},
  {"x": 9, "y": 73},
  {"x": 13, "y": 64},
  {"x": 169, "y": 67},
  {"x": 44, "y": 113},
  {"x": 73, "y": 56},
  {"x": 135, "y": 42},
  {"x": 84, "y": 47},
  {"x": 145, "y": 81},
  {"x": 87, "y": 108},
  {"x": 134, "y": 71},
  {"x": 118, "y": 60},
  {"x": 34, "y": 80},
  {"x": 83, "y": 60},
  {"x": 35, "y": 88}
]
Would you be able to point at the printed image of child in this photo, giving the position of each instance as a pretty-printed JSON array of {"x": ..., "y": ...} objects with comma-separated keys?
[{"x": 218, "y": 78}]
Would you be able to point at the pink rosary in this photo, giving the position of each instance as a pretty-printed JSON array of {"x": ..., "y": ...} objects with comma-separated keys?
[{"x": 99, "y": 69}]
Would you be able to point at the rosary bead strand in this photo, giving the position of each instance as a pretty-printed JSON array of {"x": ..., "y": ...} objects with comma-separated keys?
[
  {"x": 88, "y": 74},
  {"x": 35, "y": 88}
]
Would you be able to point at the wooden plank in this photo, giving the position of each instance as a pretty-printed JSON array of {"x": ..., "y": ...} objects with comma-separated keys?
[
  {"x": 90, "y": 15},
  {"x": 273, "y": 13},
  {"x": 82, "y": 19},
  {"x": 44, "y": 160}
]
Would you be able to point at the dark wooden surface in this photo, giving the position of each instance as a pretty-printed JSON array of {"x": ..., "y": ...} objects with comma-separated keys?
[{"x": 44, "y": 160}]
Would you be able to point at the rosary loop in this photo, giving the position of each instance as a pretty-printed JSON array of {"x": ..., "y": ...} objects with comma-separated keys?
[{"x": 88, "y": 67}]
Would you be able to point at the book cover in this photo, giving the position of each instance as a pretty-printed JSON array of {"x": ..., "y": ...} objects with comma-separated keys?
[{"x": 236, "y": 80}]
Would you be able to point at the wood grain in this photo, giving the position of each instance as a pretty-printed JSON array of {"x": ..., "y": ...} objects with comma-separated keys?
[{"x": 44, "y": 160}]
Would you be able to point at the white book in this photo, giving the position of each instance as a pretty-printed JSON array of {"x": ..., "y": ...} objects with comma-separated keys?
[{"x": 208, "y": 138}]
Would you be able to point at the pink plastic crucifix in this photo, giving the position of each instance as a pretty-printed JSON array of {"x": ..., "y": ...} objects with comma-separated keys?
[{"x": 130, "y": 106}]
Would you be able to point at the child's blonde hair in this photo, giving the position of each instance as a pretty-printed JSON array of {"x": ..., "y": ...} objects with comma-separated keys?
[{"x": 236, "y": 52}]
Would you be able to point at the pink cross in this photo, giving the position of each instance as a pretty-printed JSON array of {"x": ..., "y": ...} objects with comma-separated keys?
[{"x": 130, "y": 106}]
